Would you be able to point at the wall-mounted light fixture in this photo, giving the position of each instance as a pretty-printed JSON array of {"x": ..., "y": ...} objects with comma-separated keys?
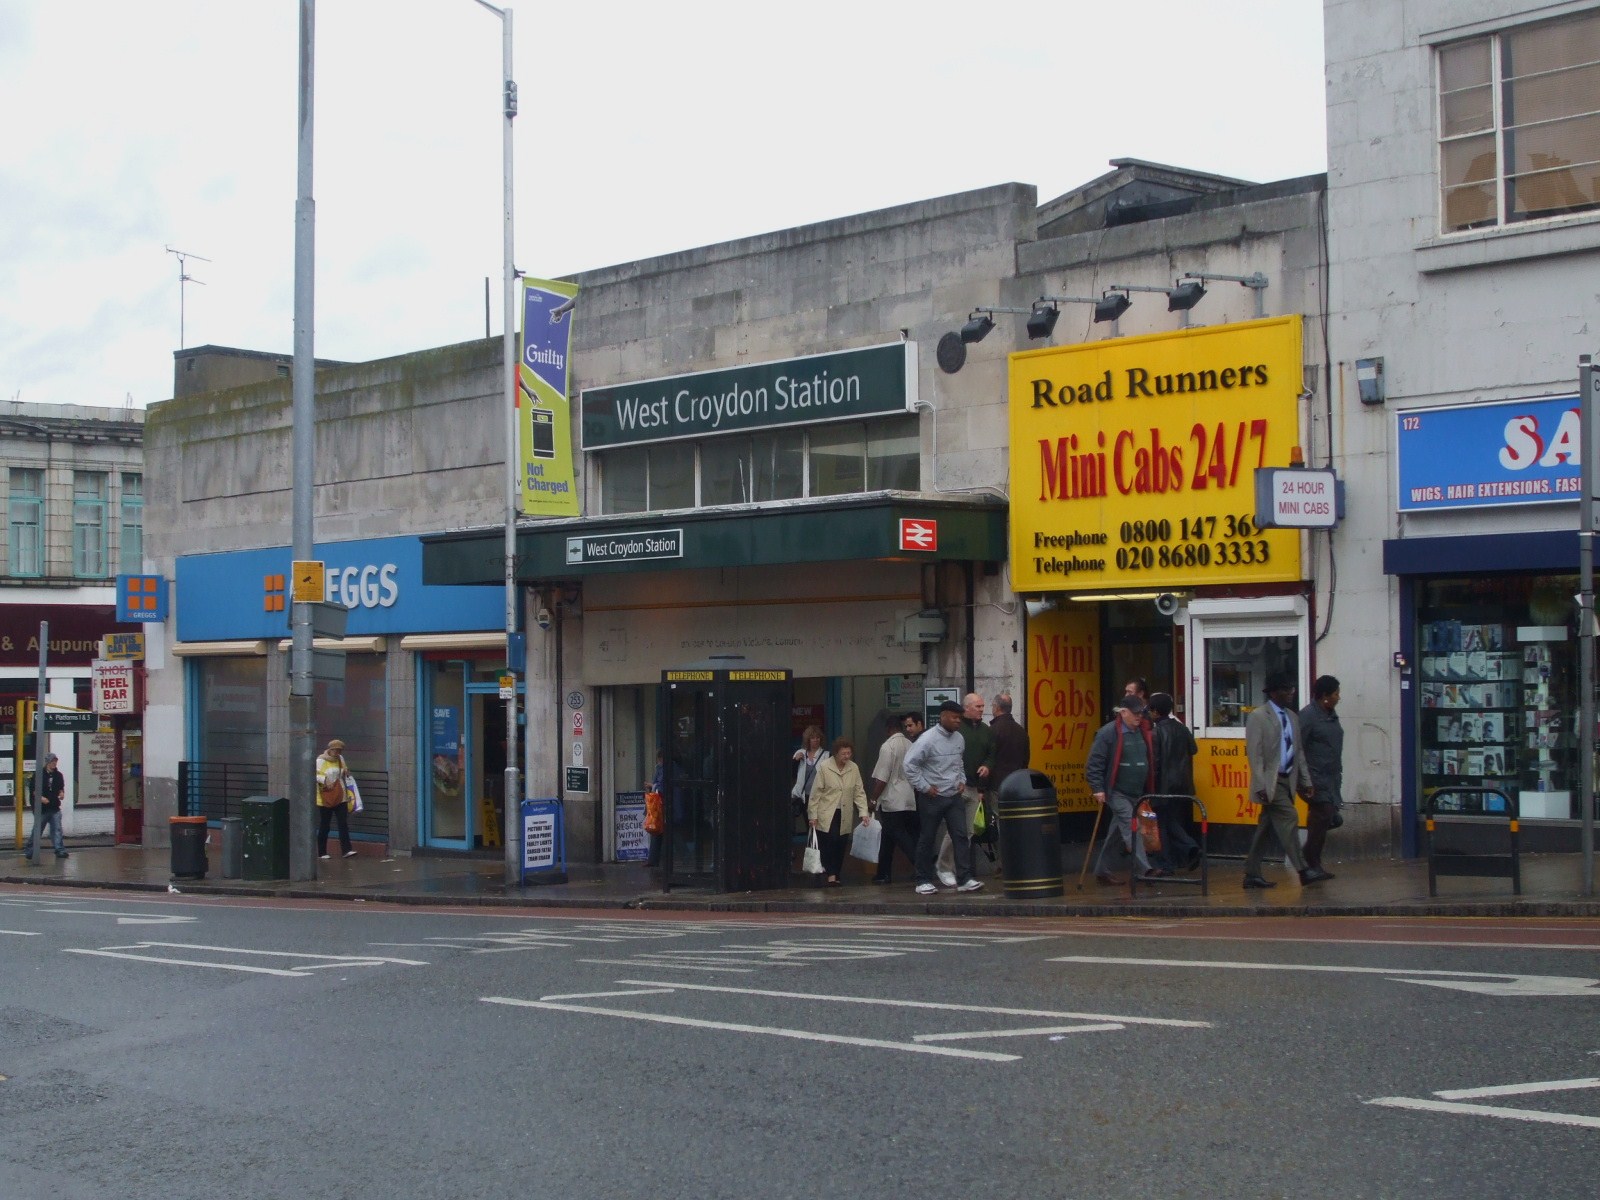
[
  {"x": 1111, "y": 306},
  {"x": 1257, "y": 283},
  {"x": 1046, "y": 312},
  {"x": 952, "y": 349}
]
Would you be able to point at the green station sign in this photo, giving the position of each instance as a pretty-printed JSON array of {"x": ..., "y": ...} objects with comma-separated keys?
[{"x": 844, "y": 385}]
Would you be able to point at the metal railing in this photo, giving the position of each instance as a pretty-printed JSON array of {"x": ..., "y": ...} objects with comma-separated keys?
[{"x": 214, "y": 791}]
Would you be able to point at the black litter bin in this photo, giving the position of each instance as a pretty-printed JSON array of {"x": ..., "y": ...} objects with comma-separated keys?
[
  {"x": 189, "y": 847},
  {"x": 266, "y": 836},
  {"x": 1030, "y": 836}
]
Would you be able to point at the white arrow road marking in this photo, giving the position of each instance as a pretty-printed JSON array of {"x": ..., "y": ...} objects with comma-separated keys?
[
  {"x": 1519, "y": 1089},
  {"x": 123, "y": 920},
  {"x": 1489, "y": 1110},
  {"x": 803, "y": 1035},
  {"x": 1098, "y": 1027},
  {"x": 322, "y": 961},
  {"x": 1488, "y": 983},
  {"x": 928, "y": 1004}
]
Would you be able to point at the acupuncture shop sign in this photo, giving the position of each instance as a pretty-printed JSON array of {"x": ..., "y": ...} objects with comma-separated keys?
[{"x": 113, "y": 686}]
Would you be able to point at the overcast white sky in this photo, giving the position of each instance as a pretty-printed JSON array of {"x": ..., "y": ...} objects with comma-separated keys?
[{"x": 646, "y": 127}]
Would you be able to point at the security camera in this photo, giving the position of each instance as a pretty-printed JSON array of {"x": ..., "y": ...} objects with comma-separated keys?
[
  {"x": 542, "y": 618},
  {"x": 1166, "y": 604}
]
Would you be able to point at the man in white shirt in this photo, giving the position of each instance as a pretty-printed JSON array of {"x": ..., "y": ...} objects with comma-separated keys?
[{"x": 892, "y": 795}]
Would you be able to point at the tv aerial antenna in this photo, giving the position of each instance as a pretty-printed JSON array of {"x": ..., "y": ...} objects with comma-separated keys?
[{"x": 183, "y": 257}]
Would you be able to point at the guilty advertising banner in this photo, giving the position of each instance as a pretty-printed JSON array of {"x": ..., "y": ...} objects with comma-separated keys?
[
  {"x": 1133, "y": 459},
  {"x": 544, "y": 417}
]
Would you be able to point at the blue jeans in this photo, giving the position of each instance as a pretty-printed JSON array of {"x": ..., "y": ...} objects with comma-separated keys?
[{"x": 49, "y": 818}]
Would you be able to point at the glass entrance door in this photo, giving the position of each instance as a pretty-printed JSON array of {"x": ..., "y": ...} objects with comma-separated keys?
[{"x": 694, "y": 731}]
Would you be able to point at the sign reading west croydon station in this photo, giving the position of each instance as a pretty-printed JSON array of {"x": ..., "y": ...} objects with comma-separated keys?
[
  {"x": 625, "y": 547},
  {"x": 844, "y": 385}
]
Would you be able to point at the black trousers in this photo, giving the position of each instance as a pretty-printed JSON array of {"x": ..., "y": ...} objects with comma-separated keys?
[
  {"x": 325, "y": 817},
  {"x": 1318, "y": 814},
  {"x": 899, "y": 829},
  {"x": 832, "y": 844}
]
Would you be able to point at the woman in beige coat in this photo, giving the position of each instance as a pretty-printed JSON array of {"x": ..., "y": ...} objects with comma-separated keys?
[{"x": 838, "y": 801}]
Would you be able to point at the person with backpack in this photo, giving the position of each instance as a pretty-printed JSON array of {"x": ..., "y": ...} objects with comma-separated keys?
[{"x": 334, "y": 784}]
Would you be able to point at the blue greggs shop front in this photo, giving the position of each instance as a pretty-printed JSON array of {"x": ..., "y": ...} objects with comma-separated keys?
[{"x": 419, "y": 708}]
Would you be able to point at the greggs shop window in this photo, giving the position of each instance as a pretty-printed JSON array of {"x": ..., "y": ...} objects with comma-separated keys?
[{"x": 1498, "y": 678}]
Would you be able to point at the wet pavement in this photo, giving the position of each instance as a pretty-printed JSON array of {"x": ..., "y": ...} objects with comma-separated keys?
[{"x": 1552, "y": 885}]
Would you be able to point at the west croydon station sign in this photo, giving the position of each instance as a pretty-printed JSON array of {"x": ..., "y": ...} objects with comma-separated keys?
[{"x": 845, "y": 385}]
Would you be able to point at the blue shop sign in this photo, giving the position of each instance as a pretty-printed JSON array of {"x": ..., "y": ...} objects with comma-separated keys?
[
  {"x": 245, "y": 593},
  {"x": 1484, "y": 455}
]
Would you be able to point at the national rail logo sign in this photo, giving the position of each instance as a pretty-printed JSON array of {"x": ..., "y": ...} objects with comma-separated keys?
[
  {"x": 1133, "y": 460},
  {"x": 918, "y": 535}
]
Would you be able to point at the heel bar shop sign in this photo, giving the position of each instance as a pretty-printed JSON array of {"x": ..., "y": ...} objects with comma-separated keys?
[{"x": 113, "y": 686}]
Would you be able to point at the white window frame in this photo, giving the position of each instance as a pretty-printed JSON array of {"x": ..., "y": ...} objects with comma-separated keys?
[{"x": 1212, "y": 619}]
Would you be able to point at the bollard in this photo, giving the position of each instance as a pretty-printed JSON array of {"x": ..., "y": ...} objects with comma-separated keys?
[{"x": 232, "y": 847}]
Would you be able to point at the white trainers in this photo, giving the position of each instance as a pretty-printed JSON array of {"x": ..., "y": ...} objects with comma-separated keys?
[
  {"x": 971, "y": 885},
  {"x": 349, "y": 853},
  {"x": 324, "y": 857},
  {"x": 926, "y": 889},
  {"x": 948, "y": 878}
]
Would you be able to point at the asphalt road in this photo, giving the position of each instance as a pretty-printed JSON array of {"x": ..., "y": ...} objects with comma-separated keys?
[{"x": 215, "y": 1049}]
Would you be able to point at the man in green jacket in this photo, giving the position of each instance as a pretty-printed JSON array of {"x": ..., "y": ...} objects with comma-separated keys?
[{"x": 978, "y": 761}]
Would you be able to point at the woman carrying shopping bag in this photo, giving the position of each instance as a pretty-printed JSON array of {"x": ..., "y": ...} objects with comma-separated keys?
[{"x": 838, "y": 803}]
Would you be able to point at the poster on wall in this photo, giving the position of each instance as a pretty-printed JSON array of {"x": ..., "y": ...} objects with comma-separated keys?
[
  {"x": 632, "y": 842},
  {"x": 1064, "y": 705},
  {"x": 97, "y": 770},
  {"x": 1133, "y": 459},
  {"x": 544, "y": 414}
]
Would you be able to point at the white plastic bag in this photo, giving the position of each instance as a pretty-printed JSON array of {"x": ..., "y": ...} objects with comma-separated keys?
[
  {"x": 812, "y": 863},
  {"x": 866, "y": 841},
  {"x": 354, "y": 793}
]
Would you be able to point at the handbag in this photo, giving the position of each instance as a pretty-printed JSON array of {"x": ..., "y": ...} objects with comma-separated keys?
[
  {"x": 354, "y": 793},
  {"x": 811, "y": 863},
  {"x": 655, "y": 814},
  {"x": 866, "y": 841},
  {"x": 1337, "y": 819},
  {"x": 1149, "y": 828}
]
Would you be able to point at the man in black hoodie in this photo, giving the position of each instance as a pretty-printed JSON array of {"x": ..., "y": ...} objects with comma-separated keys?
[{"x": 1175, "y": 751}]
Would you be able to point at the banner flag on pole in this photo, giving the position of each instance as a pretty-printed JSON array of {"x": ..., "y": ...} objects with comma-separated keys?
[{"x": 544, "y": 414}]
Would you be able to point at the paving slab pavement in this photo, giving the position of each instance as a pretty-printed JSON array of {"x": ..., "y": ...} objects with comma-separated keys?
[{"x": 1552, "y": 885}]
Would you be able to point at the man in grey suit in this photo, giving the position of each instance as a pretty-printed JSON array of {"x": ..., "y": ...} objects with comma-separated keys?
[{"x": 1277, "y": 770}]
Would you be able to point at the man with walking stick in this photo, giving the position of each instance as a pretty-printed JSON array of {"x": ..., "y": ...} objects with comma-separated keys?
[{"x": 1121, "y": 768}]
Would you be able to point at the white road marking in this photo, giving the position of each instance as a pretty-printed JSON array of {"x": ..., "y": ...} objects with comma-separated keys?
[
  {"x": 1099, "y": 1027},
  {"x": 20, "y": 933},
  {"x": 1488, "y": 983},
  {"x": 353, "y": 959},
  {"x": 660, "y": 991},
  {"x": 634, "y": 962},
  {"x": 803, "y": 1035},
  {"x": 1270, "y": 939},
  {"x": 121, "y": 919},
  {"x": 189, "y": 962},
  {"x": 1489, "y": 1110},
  {"x": 1519, "y": 1089},
  {"x": 925, "y": 1004}
]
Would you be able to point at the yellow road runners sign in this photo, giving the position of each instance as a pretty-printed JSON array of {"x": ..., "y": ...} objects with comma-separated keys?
[{"x": 1133, "y": 459}]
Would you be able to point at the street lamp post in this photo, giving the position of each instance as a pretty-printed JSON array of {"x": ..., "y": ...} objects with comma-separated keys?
[{"x": 513, "y": 775}]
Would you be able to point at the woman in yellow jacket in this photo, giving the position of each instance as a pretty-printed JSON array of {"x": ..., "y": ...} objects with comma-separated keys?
[{"x": 838, "y": 801}]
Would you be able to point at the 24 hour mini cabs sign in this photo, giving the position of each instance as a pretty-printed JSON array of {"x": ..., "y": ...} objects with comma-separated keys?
[{"x": 1133, "y": 460}]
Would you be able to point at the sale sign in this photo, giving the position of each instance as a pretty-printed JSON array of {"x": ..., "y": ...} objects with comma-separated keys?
[
  {"x": 113, "y": 686},
  {"x": 1133, "y": 460}
]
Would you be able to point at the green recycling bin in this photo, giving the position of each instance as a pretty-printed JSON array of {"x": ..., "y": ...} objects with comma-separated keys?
[{"x": 266, "y": 836}]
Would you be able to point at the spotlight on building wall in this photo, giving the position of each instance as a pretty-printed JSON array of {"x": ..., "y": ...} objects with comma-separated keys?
[
  {"x": 977, "y": 327},
  {"x": 1111, "y": 306},
  {"x": 1257, "y": 283},
  {"x": 1042, "y": 320},
  {"x": 1185, "y": 296}
]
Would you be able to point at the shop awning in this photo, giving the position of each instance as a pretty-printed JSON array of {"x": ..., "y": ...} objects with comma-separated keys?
[
  {"x": 1472, "y": 554},
  {"x": 903, "y": 526}
]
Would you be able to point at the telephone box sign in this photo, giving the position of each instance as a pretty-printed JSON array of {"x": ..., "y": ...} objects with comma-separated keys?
[{"x": 1133, "y": 460}]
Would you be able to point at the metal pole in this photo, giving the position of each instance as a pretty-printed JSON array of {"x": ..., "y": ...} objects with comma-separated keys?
[
  {"x": 38, "y": 741},
  {"x": 302, "y": 717},
  {"x": 1587, "y": 417},
  {"x": 511, "y": 832}
]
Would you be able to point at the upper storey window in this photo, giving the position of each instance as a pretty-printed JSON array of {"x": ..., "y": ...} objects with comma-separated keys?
[{"x": 1519, "y": 124}]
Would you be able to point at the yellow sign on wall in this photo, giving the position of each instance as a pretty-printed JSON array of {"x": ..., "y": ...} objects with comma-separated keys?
[
  {"x": 1222, "y": 782},
  {"x": 1064, "y": 699},
  {"x": 1133, "y": 460}
]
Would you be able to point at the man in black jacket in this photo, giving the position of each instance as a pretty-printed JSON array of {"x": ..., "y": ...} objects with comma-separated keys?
[
  {"x": 52, "y": 787},
  {"x": 1175, "y": 751}
]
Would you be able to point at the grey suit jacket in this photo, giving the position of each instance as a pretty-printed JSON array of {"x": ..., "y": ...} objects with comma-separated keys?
[{"x": 1263, "y": 748}]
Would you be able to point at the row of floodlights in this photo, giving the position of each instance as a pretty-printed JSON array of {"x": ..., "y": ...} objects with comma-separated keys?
[{"x": 1185, "y": 293}]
